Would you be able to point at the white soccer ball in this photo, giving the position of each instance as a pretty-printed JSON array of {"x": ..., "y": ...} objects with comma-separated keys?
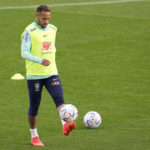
[
  {"x": 92, "y": 119},
  {"x": 68, "y": 112}
]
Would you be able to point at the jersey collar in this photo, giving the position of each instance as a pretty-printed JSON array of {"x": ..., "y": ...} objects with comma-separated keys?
[{"x": 39, "y": 27}]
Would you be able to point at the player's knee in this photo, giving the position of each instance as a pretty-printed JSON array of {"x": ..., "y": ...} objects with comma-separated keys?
[
  {"x": 33, "y": 111},
  {"x": 58, "y": 100}
]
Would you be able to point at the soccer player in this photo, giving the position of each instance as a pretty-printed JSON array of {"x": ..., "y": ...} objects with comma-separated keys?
[{"x": 38, "y": 48}]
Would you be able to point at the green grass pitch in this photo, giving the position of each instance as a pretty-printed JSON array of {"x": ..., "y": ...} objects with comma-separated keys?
[{"x": 103, "y": 58}]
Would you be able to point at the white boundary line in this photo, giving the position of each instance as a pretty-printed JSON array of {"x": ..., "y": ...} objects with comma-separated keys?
[{"x": 72, "y": 4}]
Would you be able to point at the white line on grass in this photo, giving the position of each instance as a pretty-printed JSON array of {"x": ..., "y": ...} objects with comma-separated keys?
[{"x": 72, "y": 4}]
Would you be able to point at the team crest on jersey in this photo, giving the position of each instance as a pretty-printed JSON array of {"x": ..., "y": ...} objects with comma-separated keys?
[{"x": 46, "y": 46}]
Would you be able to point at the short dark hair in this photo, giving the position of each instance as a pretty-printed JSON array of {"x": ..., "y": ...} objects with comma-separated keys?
[{"x": 43, "y": 8}]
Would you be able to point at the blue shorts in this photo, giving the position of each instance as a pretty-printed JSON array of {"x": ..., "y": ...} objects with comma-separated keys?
[{"x": 54, "y": 87}]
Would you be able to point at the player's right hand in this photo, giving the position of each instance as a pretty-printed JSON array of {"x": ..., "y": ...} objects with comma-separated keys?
[{"x": 45, "y": 62}]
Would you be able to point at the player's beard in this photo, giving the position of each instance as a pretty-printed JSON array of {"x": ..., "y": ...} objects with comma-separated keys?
[{"x": 44, "y": 25}]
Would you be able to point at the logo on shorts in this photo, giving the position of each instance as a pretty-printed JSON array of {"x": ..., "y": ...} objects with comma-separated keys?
[
  {"x": 54, "y": 79},
  {"x": 46, "y": 46},
  {"x": 37, "y": 87},
  {"x": 55, "y": 83}
]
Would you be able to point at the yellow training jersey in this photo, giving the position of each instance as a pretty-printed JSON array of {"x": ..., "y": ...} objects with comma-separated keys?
[{"x": 43, "y": 46}]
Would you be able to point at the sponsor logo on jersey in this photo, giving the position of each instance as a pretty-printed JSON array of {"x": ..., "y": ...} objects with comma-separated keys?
[
  {"x": 47, "y": 52},
  {"x": 46, "y": 46},
  {"x": 45, "y": 35}
]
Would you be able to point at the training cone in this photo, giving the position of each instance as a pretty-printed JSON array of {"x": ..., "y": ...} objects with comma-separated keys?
[{"x": 17, "y": 76}]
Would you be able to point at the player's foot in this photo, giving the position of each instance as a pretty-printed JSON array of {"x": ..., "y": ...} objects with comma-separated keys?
[
  {"x": 36, "y": 141},
  {"x": 68, "y": 127}
]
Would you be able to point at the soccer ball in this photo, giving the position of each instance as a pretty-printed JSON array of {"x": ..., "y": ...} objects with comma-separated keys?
[
  {"x": 68, "y": 113},
  {"x": 92, "y": 119}
]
